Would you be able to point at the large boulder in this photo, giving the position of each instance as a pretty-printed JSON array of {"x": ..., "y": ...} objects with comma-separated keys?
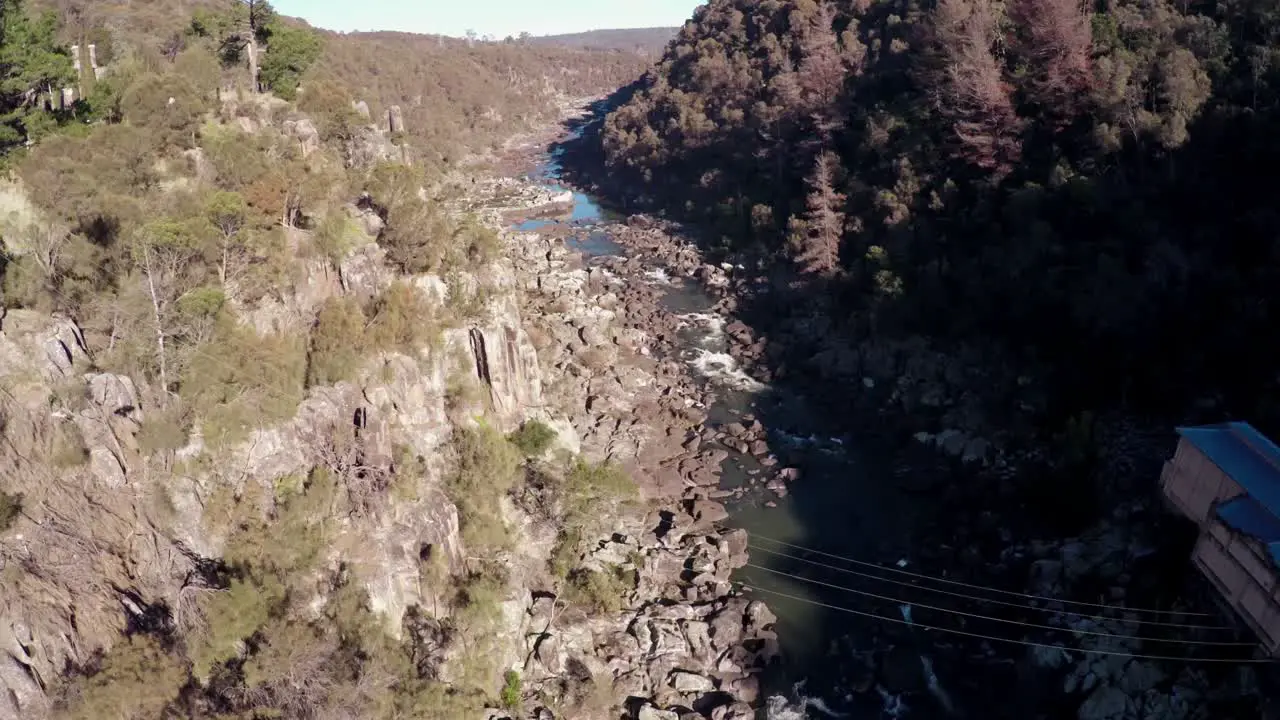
[
  {"x": 687, "y": 682},
  {"x": 114, "y": 394},
  {"x": 56, "y": 341},
  {"x": 305, "y": 132},
  {"x": 1106, "y": 703},
  {"x": 649, "y": 712},
  {"x": 20, "y": 696},
  {"x": 364, "y": 273}
]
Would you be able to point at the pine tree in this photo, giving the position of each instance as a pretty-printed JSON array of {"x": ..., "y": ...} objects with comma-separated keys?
[
  {"x": 815, "y": 239},
  {"x": 292, "y": 51},
  {"x": 1055, "y": 41},
  {"x": 32, "y": 65},
  {"x": 241, "y": 32},
  {"x": 822, "y": 71},
  {"x": 973, "y": 94}
]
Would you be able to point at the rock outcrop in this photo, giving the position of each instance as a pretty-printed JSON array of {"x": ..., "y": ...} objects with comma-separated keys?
[{"x": 547, "y": 342}]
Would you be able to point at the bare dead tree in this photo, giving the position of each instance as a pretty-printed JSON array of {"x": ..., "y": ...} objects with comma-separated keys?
[
  {"x": 335, "y": 445},
  {"x": 43, "y": 240}
]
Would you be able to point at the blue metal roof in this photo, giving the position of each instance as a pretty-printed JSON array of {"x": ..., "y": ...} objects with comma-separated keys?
[
  {"x": 1245, "y": 455},
  {"x": 1246, "y": 515}
]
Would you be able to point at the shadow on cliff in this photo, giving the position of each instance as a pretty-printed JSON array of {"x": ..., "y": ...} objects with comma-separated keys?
[{"x": 867, "y": 491}]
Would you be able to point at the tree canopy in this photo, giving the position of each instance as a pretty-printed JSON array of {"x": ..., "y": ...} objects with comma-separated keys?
[
  {"x": 32, "y": 65},
  {"x": 1049, "y": 175}
]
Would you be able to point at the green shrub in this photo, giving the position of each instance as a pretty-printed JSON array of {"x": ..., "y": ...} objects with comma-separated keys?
[
  {"x": 400, "y": 319},
  {"x": 69, "y": 449},
  {"x": 10, "y": 509},
  {"x": 292, "y": 50},
  {"x": 463, "y": 389},
  {"x": 279, "y": 645},
  {"x": 137, "y": 680},
  {"x": 286, "y": 487},
  {"x": 202, "y": 304},
  {"x": 231, "y": 616},
  {"x": 168, "y": 107},
  {"x": 465, "y": 300},
  {"x": 511, "y": 690},
  {"x": 605, "y": 591},
  {"x": 163, "y": 430},
  {"x": 590, "y": 494},
  {"x": 475, "y": 242},
  {"x": 336, "y": 235},
  {"x": 533, "y": 438},
  {"x": 337, "y": 339},
  {"x": 436, "y": 701},
  {"x": 238, "y": 160},
  {"x": 486, "y": 471},
  {"x": 478, "y": 612},
  {"x": 291, "y": 546},
  {"x": 328, "y": 103},
  {"x": 478, "y": 604},
  {"x": 597, "y": 489},
  {"x": 270, "y": 561},
  {"x": 26, "y": 285},
  {"x": 241, "y": 380},
  {"x": 409, "y": 469},
  {"x": 417, "y": 237},
  {"x": 564, "y": 556}
]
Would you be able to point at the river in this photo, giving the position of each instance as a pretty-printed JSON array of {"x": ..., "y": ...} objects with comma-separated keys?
[{"x": 841, "y": 505}]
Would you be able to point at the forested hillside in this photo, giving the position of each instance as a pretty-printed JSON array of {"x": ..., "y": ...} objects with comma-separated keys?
[
  {"x": 646, "y": 41},
  {"x": 455, "y": 93},
  {"x": 1083, "y": 184}
]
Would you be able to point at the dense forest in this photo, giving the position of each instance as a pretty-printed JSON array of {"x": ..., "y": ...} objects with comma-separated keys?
[
  {"x": 1082, "y": 184},
  {"x": 168, "y": 221}
]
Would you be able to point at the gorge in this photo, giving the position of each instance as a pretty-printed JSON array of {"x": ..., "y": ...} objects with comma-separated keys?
[{"x": 824, "y": 371}]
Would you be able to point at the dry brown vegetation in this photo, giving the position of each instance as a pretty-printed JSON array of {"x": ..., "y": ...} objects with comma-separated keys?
[{"x": 455, "y": 93}]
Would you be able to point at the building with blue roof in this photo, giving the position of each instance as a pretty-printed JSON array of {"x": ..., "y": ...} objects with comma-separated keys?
[{"x": 1226, "y": 478}]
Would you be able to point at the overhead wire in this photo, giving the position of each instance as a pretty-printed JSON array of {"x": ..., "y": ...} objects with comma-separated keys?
[
  {"x": 975, "y": 598},
  {"x": 1020, "y": 623},
  {"x": 981, "y": 636},
  {"x": 971, "y": 586}
]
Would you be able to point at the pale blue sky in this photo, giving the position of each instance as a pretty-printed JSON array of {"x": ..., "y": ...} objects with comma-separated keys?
[{"x": 495, "y": 17}]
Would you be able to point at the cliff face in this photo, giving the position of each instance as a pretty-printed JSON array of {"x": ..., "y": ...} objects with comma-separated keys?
[{"x": 109, "y": 541}]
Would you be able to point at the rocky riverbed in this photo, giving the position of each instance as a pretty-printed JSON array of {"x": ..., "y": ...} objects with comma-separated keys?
[{"x": 688, "y": 641}]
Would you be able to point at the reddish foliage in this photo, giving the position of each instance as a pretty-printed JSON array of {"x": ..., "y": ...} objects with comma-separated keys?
[
  {"x": 973, "y": 93},
  {"x": 1055, "y": 40},
  {"x": 821, "y": 70},
  {"x": 816, "y": 239}
]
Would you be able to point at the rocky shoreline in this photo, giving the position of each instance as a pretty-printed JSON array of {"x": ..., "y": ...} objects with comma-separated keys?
[{"x": 689, "y": 643}]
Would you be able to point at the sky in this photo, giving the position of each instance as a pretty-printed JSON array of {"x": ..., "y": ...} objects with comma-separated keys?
[{"x": 493, "y": 17}]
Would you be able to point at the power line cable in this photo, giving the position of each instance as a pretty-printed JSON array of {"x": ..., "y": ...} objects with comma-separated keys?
[
  {"x": 1000, "y": 620},
  {"x": 969, "y": 585},
  {"x": 1006, "y": 603},
  {"x": 980, "y": 636}
]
